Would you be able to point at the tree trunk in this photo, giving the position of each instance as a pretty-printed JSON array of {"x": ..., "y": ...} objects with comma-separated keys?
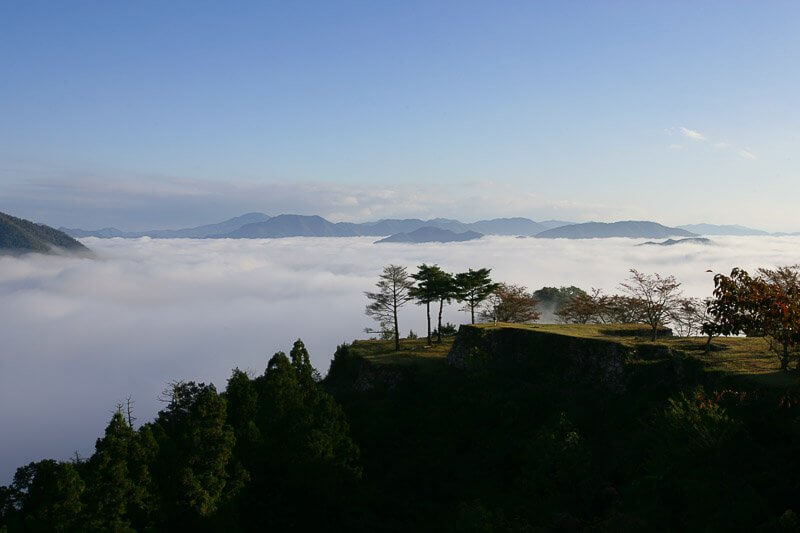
[
  {"x": 439, "y": 329},
  {"x": 472, "y": 311},
  {"x": 428, "y": 309},
  {"x": 655, "y": 332},
  {"x": 785, "y": 358},
  {"x": 396, "y": 333},
  {"x": 396, "y": 326}
]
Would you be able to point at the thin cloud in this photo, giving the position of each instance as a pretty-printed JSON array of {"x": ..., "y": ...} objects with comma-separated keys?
[
  {"x": 170, "y": 202},
  {"x": 692, "y": 134},
  {"x": 697, "y": 136}
]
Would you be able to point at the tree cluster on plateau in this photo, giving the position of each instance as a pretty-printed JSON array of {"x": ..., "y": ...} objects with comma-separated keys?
[
  {"x": 649, "y": 299},
  {"x": 766, "y": 305},
  {"x": 551, "y": 299},
  {"x": 433, "y": 286},
  {"x": 429, "y": 285}
]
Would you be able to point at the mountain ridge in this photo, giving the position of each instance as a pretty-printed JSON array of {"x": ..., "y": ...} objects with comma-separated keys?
[
  {"x": 292, "y": 225},
  {"x": 431, "y": 234},
  {"x": 196, "y": 232},
  {"x": 260, "y": 225},
  {"x": 722, "y": 229},
  {"x": 289, "y": 226},
  {"x": 18, "y": 235},
  {"x": 673, "y": 242},
  {"x": 633, "y": 229}
]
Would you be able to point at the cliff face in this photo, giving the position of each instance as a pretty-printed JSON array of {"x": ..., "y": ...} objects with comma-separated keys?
[
  {"x": 531, "y": 351},
  {"x": 613, "y": 358},
  {"x": 613, "y": 363}
]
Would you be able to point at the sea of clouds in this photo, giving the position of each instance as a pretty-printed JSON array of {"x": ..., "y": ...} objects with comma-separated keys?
[{"x": 80, "y": 334}]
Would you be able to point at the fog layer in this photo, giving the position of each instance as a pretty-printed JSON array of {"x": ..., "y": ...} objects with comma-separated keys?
[{"x": 81, "y": 334}]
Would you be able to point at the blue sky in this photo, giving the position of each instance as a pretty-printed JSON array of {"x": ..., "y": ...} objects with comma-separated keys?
[{"x": 154, "y": 114}]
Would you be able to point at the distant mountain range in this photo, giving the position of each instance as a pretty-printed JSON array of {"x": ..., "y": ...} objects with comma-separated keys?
[
  {"x": 291, "y": 226},
  {"x": 432, "y": 234},
  {"x": 18, "y": 235},
  {"x": 259, "y": 225},
  {"x": 198, "y": 232},
  {"x": 714, "y": 229},
  {"x": 673, "y": 242},
  {"x": 550, "y": 224},
  {"x": 635, "y": 229}
]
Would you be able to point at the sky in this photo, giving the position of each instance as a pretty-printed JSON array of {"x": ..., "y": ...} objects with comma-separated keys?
[
  {"x": 166, "y": 114},
  {"x": 81, "y": 334}
]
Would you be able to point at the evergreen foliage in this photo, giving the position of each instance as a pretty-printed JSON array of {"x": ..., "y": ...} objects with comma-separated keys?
[
  {"x": 554, "y": 298},
  {"x": 519, "y": 446},
  {"x": 473, "y": 287},
  {"x": 393, "y": 293},
  {"x": 20, "y": 235},
  {"x": 433, "y": 285},
  {"x": 251, "y": 456}
]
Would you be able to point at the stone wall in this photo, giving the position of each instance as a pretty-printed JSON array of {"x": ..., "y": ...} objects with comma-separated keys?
[{"x": 528, "y": 351}]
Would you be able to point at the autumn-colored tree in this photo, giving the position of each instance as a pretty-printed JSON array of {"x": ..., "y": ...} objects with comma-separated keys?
[
  {"x": 781, "y": 313},
  {"x": 510, "y": 303},
  {"x": 598, "y": 308},
  {"x": 621, "y": 309},
  {"x": 656, "y": 296},
  {"x": 689, "y": 316},
  {"x": 734, "y": 307},
  {"x": 767, "y": 304},
  {"x": 582, "y": 308}
]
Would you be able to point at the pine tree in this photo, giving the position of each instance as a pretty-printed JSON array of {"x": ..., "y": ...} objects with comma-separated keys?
[
  {"x": 473, "y": 287},
  {"x": 305, "y": 452},
  {"x": 111, "y": 489},
  {"x": 445, "y": 288},
  {"x": 48, "y": 495},
  {"x": 393, "y": 293},
  {"x": 195, "y": 448},
  {"x": 427, "y": 290}
]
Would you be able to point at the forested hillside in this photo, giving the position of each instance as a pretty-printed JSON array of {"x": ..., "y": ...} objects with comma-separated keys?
[
  {"x": 20, "y": 235},
  {"x": 510, "y": 428}
]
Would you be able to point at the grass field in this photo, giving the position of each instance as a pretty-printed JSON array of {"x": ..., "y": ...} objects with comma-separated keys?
[
  {"x": 746, "y": 357},
  {"x": 412, "y": 351}
]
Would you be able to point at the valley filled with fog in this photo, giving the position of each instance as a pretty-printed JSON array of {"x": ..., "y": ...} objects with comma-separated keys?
[{"x": 81, "y": 334}]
